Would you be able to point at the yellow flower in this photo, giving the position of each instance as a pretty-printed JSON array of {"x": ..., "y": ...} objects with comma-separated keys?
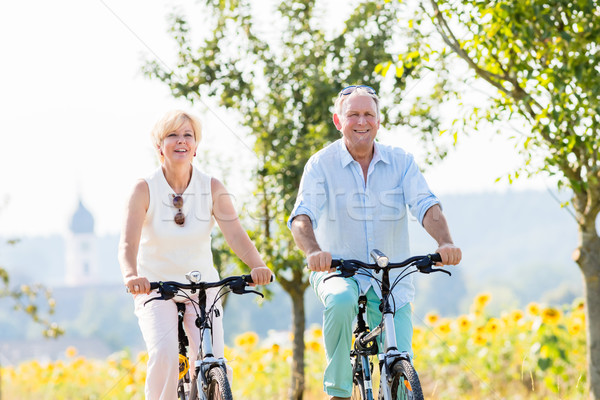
[
  {"x": 533, "y": 309},
  {"x": 464, "y": 323},
  {"x": 516, "y": 315},
  {"x": 142, "y": 357},
  {"x": 443, "y": 327},
  {"x": 493, "y": 326},
  {"x": 479, "y": 340},
  {"x": 551, "y": 316},
  {"x": 71, "y": 352},
  {"x": 432, "y": 318},
  {"x": 316, "y": 332},
  {"x": 247, "y": 340},
  {"x": 574, "y": 326},
  {"x": 482, "y": 300},
  {"x": 313, "y": 345},
  {"x": 579, "y": 304}
]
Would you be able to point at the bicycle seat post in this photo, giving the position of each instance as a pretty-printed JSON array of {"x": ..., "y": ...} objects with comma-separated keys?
[{"x": 361, "y": 325}]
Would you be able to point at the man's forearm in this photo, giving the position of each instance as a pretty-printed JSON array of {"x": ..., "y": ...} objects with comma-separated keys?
[
  {"x": 304, "y": 235},
  {"x": 436, "y": 225}
]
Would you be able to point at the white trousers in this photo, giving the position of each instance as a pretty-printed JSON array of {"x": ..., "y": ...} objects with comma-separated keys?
[{"x": 158, "y": 323}]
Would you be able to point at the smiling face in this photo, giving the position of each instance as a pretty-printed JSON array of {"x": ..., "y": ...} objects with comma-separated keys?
[
  {"x": 358, "y": 121},
  {"x": 179, "y": 145},
  {"x": 173, "y": 127}
]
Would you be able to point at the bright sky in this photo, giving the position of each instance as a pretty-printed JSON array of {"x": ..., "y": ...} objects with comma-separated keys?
[{"x": 75, "y": 116}]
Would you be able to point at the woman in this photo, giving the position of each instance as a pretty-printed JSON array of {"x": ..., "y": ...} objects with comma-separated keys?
[{"x": 168, "y": 222}]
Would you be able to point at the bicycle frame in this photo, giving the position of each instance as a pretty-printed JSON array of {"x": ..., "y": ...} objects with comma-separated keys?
[
  {"x": 366, "y": 341},
  {"x": 206, "y": 360}
]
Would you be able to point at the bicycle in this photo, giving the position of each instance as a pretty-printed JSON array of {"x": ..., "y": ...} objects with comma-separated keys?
[
  {"x": 398, "y": 377},
  {"x": 209, "y": 381}
]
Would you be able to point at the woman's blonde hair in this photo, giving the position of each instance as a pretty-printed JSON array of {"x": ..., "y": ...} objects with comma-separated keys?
[{"x": 170, "y": 122}]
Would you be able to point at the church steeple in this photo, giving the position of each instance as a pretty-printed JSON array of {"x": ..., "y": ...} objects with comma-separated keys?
[
  {"x": 82, "y": 220},
  {"x": 81, "y": 249}
]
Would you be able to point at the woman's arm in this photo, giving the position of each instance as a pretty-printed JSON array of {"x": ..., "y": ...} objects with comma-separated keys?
[
  {"x": 235, "y": 235},
  {"x": 129, "y": 242}
]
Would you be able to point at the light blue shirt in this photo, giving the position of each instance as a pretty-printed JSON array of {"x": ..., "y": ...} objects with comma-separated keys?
[{"x": 351, "y": 218}]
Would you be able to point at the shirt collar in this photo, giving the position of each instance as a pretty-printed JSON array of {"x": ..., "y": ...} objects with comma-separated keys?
[{"x": 346, "y": 157}]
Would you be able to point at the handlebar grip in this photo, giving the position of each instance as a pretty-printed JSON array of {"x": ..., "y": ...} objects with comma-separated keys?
[
  {"x": 335, "y": 263},
  {"x": 248, "y": 278},
  {"x": 154, "y": 285},
  {"x": 436, "y": 257}
]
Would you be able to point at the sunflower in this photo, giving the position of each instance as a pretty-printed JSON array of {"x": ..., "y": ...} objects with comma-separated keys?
[
  {"x": 479, "y": 340},
  {"x": 551, "y": 316},
  {"x": 71, "y": 352},
  {"x": 432, "y": 318},
  {"x": 493, "y": 326},
  {"x": 482, "y": 300},
  {"x": 443, "y": 327},
  {"x": 464, "y": 323},
  {"x": 533, "y": 309}
]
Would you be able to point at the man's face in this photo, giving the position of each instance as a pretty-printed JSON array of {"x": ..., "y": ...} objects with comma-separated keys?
[{"x": 358, "y": 122}]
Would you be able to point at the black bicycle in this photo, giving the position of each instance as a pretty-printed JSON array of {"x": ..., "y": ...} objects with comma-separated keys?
[
  {"x": 209, "y": 380},
  {"x": 398, "y": 377}
]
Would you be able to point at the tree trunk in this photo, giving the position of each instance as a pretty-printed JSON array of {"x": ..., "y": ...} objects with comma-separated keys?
[
  {"x": 296, "y": 288},
  {"x": 587, "y": 257}
]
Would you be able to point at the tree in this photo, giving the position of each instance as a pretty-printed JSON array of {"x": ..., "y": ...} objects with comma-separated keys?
[
  {"x": 539, "y": 61},
  {"x": 27, "y": 299},
  {"x": 283, "y": 90}
]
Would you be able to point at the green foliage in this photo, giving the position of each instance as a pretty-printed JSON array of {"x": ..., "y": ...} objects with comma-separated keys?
[
  {"x": 284, "y": 90},
  {"x": 34, "y": 300},
  {"x": 540, "y": 59}
]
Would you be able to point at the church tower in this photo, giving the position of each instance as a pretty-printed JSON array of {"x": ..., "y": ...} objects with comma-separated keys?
[{"x": 81, "y": 249}]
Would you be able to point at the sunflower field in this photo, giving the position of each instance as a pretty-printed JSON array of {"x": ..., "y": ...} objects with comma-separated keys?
[{"x": 535, "y": 353}]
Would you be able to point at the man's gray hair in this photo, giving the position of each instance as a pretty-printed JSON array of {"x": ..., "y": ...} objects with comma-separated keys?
[{"x": 359, "y": 91}]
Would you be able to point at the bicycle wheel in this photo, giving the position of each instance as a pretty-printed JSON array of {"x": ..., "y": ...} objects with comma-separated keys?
[
  {"x": 181, "y": 392},
  {"x": 357, "y": 390},
  {"x": 218, "y": 385},
  {"x": 405, "y": 382}
]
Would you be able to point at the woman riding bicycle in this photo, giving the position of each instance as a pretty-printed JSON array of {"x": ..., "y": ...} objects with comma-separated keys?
[
  {"x": 352, "y": 199},
  {"x": 167, "y": 233}
]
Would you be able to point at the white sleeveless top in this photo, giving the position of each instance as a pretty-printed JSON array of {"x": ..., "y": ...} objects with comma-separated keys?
[{"x": 168, "y": 251}]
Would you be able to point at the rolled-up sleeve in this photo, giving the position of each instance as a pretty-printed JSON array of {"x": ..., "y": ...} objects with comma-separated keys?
[
  {"x": 418, "y": 196},
  {"x": 311, "y": 194}
]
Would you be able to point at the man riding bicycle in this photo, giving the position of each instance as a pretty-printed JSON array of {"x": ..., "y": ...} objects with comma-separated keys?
[{"x": 353, "y": 198}]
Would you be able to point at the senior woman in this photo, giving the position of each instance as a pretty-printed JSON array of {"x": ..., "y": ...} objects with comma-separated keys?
[{"x": 167, "y": 233}]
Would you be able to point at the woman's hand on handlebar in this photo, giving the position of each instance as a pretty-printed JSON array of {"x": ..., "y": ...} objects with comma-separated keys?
[
  {"x": 320, "y": 261},
  {"x": 137, "y": 285},
  {"x": 451, "y": 255},
  {"x": 260, "y": 276}
]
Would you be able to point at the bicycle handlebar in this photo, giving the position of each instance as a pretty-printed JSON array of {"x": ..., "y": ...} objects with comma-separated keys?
[
  {"x": 424, "y": 264},
  {"x": 237, "y": 284}
]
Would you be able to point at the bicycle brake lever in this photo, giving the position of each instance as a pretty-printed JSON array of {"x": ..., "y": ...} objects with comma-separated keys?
[
  {"x": 429, "y": 269},
  {"x": 242, "y": 290},
  {"x": 239, "y": 287},
  {"x": 167, "y": 292},
  {"x": 255, "y": 292}
]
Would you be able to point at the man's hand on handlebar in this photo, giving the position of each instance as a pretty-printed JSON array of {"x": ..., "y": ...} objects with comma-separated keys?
[
  {"x": 320, "y": 261},
  {"x": 451, "y": 255}
]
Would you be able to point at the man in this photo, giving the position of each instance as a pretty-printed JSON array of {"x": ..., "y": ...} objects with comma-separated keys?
[{"x": 353, "y": 198}]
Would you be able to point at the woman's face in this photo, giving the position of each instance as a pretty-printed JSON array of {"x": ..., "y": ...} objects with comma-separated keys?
[{"x": 179, "y": 145}]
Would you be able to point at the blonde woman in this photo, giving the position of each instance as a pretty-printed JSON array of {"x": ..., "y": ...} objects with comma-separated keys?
[{"x": 167, "y": 233}]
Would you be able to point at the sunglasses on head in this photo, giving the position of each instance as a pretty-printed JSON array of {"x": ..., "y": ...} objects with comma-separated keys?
[
  {"x": 349, "y": 89},
  {"x": 178, "y": 203}
]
